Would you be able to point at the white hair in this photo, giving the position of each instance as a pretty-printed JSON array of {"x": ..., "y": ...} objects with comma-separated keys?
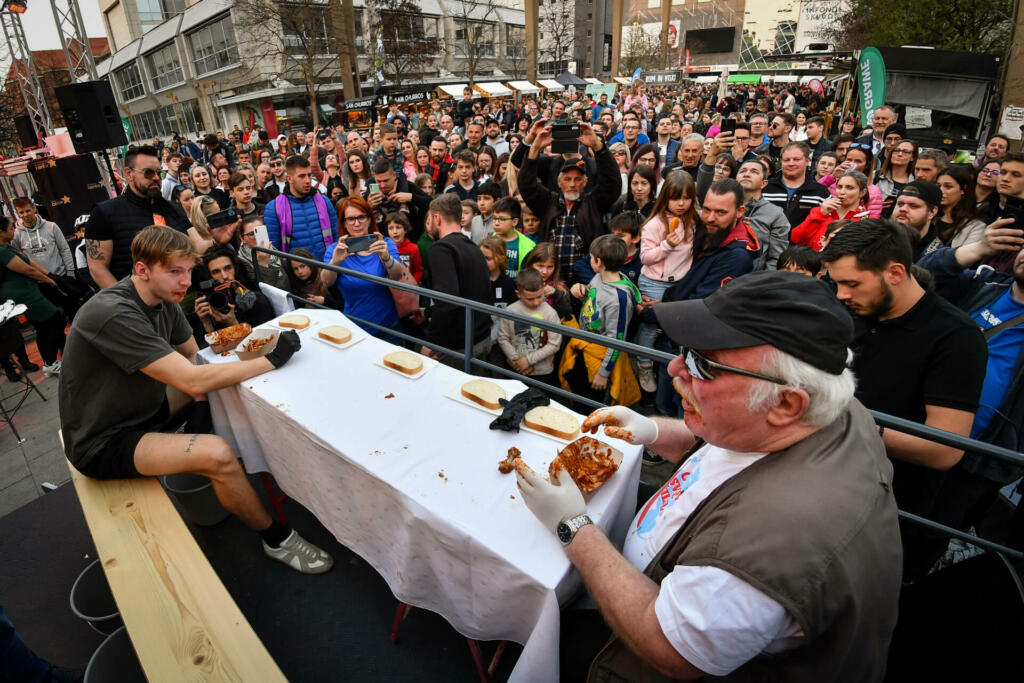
[
  {"x": 830, "y": 394},
  {"x": 694, "y": 136}
]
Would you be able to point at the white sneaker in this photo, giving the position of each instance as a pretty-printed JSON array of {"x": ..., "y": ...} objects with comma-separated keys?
[
  {"x": 300, "y": 555},
  {"x": 52, "y": 370},
  {"x": 648, "y": 382}
]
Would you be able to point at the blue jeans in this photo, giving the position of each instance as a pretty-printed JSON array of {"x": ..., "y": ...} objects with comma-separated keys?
[
  {"x": 17, "y": 661},
  {"x": 648, "y": 332}
]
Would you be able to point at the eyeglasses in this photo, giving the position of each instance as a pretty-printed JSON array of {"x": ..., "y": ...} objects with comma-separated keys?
[
  {"x": 903, "y": 151},
  {"x": 701, "y": 367},
  {"x": 986, "y": 171},
  {"x": 775, "y": 125},
  {"x": 503, "y": 219},
  {"x": 356, "y": 220},
  {"x": 147, "y": 173},
  {"x": 206, "y": 199},
  {"x": 276, "y": 163}
]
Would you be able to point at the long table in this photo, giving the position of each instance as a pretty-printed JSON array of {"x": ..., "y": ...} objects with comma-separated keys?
[{"x": 408, "y": 479}]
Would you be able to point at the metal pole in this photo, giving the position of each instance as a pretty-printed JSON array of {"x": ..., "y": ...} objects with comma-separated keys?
[
  {"x": 467, "y": 365},
  {"x": 32, "y": 92},
  {"x": 73, "y": 38}
]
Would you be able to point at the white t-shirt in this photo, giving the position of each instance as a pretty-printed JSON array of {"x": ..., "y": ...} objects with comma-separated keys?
[{"x": 715, "y": 620}]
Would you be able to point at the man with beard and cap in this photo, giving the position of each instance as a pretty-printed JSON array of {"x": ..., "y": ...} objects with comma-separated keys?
[
  {"x": 301, "y": 217},
  {"x": 724, "y": 247},
  {"x": 114, "y": 223},
  {"x": 772, "y": 552},
  {"x": 916, "y": 356},
  {"x": 916, "y": 207},
  {"x": 995, "y": 302}
]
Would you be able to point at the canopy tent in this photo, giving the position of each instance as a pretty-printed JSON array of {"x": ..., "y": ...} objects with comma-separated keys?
[
  {"x": 452, "y": 89},
  {"x": 494, "y": 89},
  {"x": 745, "y": 78},
  {"x": 766, "y": 78},
  {"x": 786, "y": 78},
  {"x": 598, "y": 89},
  {"x": 594, "y": 81},
  {"x": 706, "y": 79},
  {"x": 567, "y": 79},
  {"x": 525, "y": 87},
  {"x": 622, "y": 80},
  {"x": 551, "y": 85}
]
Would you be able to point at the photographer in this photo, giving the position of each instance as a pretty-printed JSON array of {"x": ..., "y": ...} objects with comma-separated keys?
[{"x": 225, "y": 302}]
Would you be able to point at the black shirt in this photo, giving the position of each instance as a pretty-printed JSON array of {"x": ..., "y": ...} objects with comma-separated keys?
[
  {"x": 120, "y": 219},
  {"x": 931, "y": 355},
  {"x": 458, "y": 267}
]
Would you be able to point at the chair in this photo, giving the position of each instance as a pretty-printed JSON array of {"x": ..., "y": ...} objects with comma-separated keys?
[
  {"x": 963, "y": 623},
  {"x": 10, "y": 341}
]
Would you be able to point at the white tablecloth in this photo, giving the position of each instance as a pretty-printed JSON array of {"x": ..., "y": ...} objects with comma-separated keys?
[{"x": 411, "y": 484}]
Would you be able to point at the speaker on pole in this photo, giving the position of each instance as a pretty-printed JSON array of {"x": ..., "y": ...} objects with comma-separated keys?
[
  {"x": 91, "y": 115},
  {"x": 26, "y": 133}
]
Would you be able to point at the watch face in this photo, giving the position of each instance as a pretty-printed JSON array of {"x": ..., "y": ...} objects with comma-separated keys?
[{"x": 564, "y": 532}]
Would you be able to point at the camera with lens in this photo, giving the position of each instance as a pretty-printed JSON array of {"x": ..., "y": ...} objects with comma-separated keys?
[
  {"x": 565, "y": 134},
  {"x": 222, "y": 295}
]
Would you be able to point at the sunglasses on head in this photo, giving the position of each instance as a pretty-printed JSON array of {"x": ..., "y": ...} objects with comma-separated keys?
[
  {"x": 859, "y": 145},
  {"x": 701, "y": 367}
]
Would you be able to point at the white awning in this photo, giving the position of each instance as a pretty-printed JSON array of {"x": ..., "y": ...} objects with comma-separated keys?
[
  {"x": 706, "y": 79},
  {"x": 161, "y": 34},
  {"x": 595, "y": 81},
  {"x": 804, "y": 80},
  {"x": 786, "y": 78},
  {"x": 202, "y": 12},
  {"x": 623, "y": 80},
  {"x": 494, "y": 89},
  {"x": 129, "y": 53},
  {"x": 551, "y": 85},
  {"x": 524, "y": 87},
  {"x": 452, "y": 89},
  {"x": 766, "y": 78}
]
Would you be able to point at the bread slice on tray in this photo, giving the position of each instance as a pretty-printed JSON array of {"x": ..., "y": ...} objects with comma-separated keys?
[
  {"x": 296, "y": 321},
  {"x": 405, "y": 362},
  {"x": 336, "y": 334},
  {"x": 552, "y": 421},
  {"x": 483, "y": 392}
]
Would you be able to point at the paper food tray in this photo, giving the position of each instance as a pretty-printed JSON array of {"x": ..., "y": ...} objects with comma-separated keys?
[
  {"x": 455, "y": 394},
  {"x": 428, "y": 365},
  {"x": 358, "y": 335}
]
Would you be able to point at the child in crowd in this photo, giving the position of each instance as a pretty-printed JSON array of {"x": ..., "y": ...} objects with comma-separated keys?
[
  {"x": 465, "y": 185},
  {"x": 389, "y": 148},
  {"x": 472, "y": 225},
  {"x": 305, "y": 282},
  {"x": 504, "y": 287},
  {"x": 666, "y": 251},
  {"x": 626, "y": 226},
  {"x": 531, "y": 224},
  {"x": 530, "y": 350},
  {"x": 800, "y": 259},
  {"x": 544, "y": 259},
  {"x": 486, "y": 195},
  {"x": 589, "y": 369},
  {"x": 425, "y": 183},
  {"x": 398, "y": 228},
  {"x": 506, "y": 226}
]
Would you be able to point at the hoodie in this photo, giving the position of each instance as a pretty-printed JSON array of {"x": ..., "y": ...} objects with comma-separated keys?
[
  {"x": 713, "y": 268},
  {"x": 45, "y": 244},
  {"x": 607, "y": 309}
]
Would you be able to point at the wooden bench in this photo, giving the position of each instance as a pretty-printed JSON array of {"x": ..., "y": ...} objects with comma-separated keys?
[{"x": 184, "y": 624}]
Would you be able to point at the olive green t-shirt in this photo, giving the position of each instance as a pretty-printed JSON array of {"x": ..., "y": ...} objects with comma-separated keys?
[
  {"x": 22, "y": 289},
  {"x": 102, "y": 390}
]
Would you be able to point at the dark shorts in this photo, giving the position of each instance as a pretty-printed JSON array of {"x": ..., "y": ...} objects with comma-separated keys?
[{"x": 116, "y": 460}]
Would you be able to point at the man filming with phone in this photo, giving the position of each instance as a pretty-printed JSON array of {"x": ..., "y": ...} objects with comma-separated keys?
[{"x": 390, "y": 192}]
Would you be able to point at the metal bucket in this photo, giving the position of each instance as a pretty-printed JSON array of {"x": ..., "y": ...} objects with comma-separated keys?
[
  {"x": 92, "y": 601},
  {"x": 196, "y": 498}
]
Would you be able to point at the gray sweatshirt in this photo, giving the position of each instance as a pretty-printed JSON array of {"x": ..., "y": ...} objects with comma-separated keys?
[
  {"x": 536, "y": 345},
  {"x": 607, "y": 309},
  {"x": 45, "y": 244}
]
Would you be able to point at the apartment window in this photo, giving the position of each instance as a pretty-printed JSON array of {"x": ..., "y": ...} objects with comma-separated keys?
[
  {"x": 515, "y": 41},
  {"x": 360, "y": 40},
  {"x": 653, "y": 4},
  {"x": 214, "y": 47},
  {"x": 129, "y": 83},
  {"x": 165, "y": 67},
  {"x": 311, "y": 34}
]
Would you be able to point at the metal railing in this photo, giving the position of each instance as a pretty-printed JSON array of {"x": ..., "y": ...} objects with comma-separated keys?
[{"x": 888, "y": 421}]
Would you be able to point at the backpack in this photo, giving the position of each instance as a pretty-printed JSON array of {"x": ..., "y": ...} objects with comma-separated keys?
[{"x": 283, "y": 208}]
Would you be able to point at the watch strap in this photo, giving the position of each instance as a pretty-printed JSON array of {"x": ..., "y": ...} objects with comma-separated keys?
[{"x": 573, "y": 525}]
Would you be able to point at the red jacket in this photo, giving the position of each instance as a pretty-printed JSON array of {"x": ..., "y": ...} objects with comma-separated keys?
[
  {"x": 410, "y": 254},
  {"x": 810, "y": 232}
]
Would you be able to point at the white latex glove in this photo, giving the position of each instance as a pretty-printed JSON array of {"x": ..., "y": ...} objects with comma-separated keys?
[
  {"x": 622, "y": 423},
  {"x": 550, "y": 503}
]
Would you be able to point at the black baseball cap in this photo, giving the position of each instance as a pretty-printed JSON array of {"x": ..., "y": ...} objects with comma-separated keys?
[
  {"x": 795, "y": 313},
  {"x": 922, "y": 189},
  {"x": 322, "y": 135}
]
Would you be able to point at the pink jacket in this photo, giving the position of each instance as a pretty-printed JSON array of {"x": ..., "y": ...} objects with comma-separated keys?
[
  {"x": 874, "y": 195},
  {"x": 661, "y": 260}
]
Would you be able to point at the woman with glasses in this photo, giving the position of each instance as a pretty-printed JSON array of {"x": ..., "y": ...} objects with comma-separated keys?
[
  {"x": 985, "y": 179},
  {"x": 202, "y": 185},
  {"x": 896, "y": 172},
  {"x": 621, "y": 155},
  {"x": 957, "y": 222},
  {"x": 648, "y": 155},
  {"x": 363, "y": 299},
  {"x": 486, "y": 164}
]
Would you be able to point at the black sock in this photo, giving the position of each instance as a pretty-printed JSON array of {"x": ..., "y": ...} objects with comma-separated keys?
[{"x": 274, "y": 534}]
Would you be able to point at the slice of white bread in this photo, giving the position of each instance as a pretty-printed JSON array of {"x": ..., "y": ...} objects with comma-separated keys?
[
  {"x": 552, "y": 421},
  {"x": 404, "y": 361},
  {"x": 483, "y": 392},
  {"x": 296, "y": 321},
  {"x": 336, "y": 334}
]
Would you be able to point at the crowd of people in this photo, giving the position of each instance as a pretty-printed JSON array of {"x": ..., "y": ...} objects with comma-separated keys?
[{"x": 668, "y": 197}]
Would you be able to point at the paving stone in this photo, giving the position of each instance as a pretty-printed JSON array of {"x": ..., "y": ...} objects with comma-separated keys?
[
  {"x": 13, "y": 467},
  {"x": 18, "y": 494}
]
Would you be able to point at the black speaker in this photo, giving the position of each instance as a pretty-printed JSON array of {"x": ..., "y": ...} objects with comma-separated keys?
[
  {"x": 68, "y": 187},
  {"x": 26, "y": 133},
  {"x": 91, "y": 116}
]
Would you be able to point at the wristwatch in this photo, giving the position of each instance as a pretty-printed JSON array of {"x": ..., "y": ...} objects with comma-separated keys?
[{"x": 567, "y": 528}]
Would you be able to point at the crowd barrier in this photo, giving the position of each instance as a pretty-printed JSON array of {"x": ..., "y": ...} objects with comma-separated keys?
[{"x": 888, "y": 421}]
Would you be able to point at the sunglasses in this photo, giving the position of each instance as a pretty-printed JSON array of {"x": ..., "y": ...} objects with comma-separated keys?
[
  {"x": 986, "y": 171},
  {"x": 859, "y": 145},
  {"x": 703, "y": 368},
  {"x": 147, "y": 173}
]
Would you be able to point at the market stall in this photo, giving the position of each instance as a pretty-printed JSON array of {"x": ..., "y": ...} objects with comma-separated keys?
[
  {"x": 452, "y": 90},
  {"x": 359, "y": 113}
]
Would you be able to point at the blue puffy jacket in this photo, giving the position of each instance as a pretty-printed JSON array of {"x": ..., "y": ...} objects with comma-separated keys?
[{"x": 306, "y": 232}]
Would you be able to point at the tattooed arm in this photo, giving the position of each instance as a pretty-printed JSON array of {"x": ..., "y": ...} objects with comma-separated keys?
[{"x": 98, "y": 253}]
